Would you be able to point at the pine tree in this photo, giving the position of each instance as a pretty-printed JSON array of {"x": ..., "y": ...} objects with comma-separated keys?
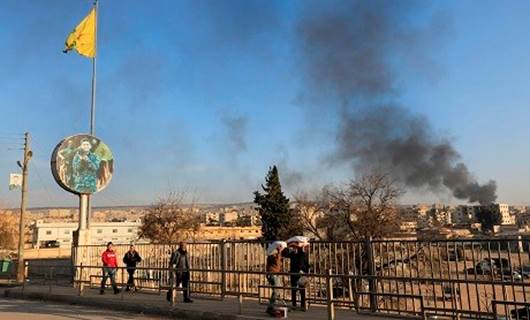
[{"x": 273, "y": 207}]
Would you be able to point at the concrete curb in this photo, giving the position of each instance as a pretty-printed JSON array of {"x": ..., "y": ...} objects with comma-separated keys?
[{"x": 174, "y": 312}]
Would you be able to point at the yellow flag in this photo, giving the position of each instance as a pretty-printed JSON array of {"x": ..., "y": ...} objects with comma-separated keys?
[{"x": 83, "y": 38}]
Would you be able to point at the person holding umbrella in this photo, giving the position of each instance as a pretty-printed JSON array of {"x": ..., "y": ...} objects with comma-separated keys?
[
  {"x": 298, "y": 266},
  {"x": 274, "y": 266}
]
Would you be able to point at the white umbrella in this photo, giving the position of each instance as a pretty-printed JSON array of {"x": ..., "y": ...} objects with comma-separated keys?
[
  {"x": 300, "y": 240},
  {"x": 275, "y": 245}
]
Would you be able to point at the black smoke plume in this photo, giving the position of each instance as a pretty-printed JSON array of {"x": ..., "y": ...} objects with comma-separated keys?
[
  {"x": 354, "y": 51},
  {"x": 392, "y": 139},
  {"x": 236, "y": 129}
]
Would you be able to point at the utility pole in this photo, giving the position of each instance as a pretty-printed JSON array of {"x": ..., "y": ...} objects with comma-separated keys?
[{"x": 23, "y": 203}]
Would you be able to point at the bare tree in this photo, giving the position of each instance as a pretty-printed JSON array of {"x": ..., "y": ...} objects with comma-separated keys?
[
  {"x": 316, "y": 217},
  {"x": 364, "y": 208},
  {"x": 169, "y": 220},
  {"x": 310, "y": 212},
  {"x": 368, "y": 206},
  {"x": 8, "y": 230}
]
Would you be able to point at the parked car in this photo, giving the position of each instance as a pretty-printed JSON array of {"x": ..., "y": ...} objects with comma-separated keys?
[
  {"x": 502, "y": 263},
  {"x": 508, "y": 274},
  {"x": 484, "y": 267},
  {"x": 454, "y": 254},
  {"x": 521, "y": 313},
  {"x": 52, "y": 244},
  {"x": 525, "y": 271},
  {"x": 451, "y": 292},
  {"x": 340, "y": 288}
]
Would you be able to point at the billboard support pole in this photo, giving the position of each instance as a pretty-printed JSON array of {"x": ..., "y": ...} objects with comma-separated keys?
[
  {"x": 83, "y": 236},
  {"x": 83, "y": 211}
]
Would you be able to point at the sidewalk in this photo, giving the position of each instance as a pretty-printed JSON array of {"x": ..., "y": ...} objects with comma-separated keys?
[{"x": 152, "y": 303}]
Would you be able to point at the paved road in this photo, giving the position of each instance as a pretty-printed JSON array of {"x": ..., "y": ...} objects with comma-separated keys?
[{"x": 38, "y": 310}]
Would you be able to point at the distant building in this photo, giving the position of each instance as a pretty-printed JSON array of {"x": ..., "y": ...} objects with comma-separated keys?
[
  {"x": 462, "y": 215},
  {"x": 523, "y": 219},
  {"x": 501, "y": 209},
  {"x": 228, "y": 233},
  {"x": 228, "y": 217},
  {"x": 444, "y": 233},
  {"x": 441, "y": 214},
  {"x": 421, "y": 212},
  {"x": 408, "y": 226},
  {"x": 247, "y": 220},
  {"x": 101, "y": 232},
  {"x": 504, "y": 211},
  {"x": 507, "y": 230},
  {"x": 517, "y": 210},
  {"x": 430, "y": 215},
  {"x": 211, "y": 218},
  {"x": 408, "y": 213}
]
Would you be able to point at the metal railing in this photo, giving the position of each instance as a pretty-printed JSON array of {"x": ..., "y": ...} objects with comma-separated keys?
[
  {"x": 56, "y": 277},
  {"x": 516, "y": 313},
  {"x": 454, "y": 278}
]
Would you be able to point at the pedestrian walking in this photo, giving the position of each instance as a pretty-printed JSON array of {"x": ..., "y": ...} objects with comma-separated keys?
[
  {"x": 299, "y": 264},
  {"x": 110, "y": 265},
  {"x": 274, "y": 266},
  {"x": 131, "y": 259},
  {"x": 180, "y": 265}
]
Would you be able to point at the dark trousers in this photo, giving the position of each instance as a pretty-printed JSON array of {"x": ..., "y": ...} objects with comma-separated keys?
[
  {"x": 184, "y": 279},
  {"x": 294, "y": 284},
  {"x": 130, "y": 281},
  {"x": 109, "y": 273}
]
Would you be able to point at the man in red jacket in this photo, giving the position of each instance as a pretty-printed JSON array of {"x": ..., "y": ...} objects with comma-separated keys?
[{"x": 110, "y": 264}]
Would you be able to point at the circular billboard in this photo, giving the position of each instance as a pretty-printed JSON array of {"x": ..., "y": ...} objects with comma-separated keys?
[{"x": 82, "y": 164}]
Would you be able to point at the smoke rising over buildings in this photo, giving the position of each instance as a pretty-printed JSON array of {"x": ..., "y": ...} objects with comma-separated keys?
[
  {"x": 166, "y": 69},
  {"x": 392, "y": 139},
  {"x": 352, "y": 53}
]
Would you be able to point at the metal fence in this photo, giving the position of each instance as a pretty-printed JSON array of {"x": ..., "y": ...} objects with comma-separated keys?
[{"x": 479, "y": 278}]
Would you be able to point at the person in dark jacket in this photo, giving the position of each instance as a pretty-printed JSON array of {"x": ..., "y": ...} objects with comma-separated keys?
[
  {"x": 131, "y": 259},
  {"x": 180, "y": 264},
  {"x": 299, "y": 265}
]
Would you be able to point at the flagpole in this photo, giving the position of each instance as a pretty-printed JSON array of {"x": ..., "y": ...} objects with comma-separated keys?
[
  {"x": 93, "y": 105},
  {"x": 87, "y": 204}
]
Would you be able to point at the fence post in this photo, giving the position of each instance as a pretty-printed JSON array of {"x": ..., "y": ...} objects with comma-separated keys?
[
  {"x": 81, "y": 283},
  {"x": 350, "y": 290},
  {"x": 25, "y": 276},
  {"x": 173, "y": 290},
  {"x": 372, "y": 284},
  {"x": 50, "y": 279},
  {"x": 222, "y": 247},
  {"x": 26, "y": 268},
  {"x": 122, "y": 283},
  {"x": 494, "y": 308},
  {"x": 422, "y": 308},
  {"x": 240, "y": 294},
  {"x": 331, "y": 306},
  {"x": 240, "y": 303},
  {"x": 73, "y": 262}
]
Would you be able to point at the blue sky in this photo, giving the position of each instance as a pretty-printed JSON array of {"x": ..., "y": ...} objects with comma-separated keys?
[{"x": 203, "y": 96}]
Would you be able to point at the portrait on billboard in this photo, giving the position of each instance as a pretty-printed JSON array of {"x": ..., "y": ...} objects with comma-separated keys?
[
  {"x": 82, "y": 164},
  {"x": 15, "y": 181}
]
